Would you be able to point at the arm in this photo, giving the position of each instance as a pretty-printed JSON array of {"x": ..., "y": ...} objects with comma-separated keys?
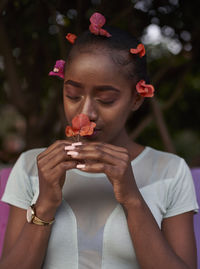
[
  {"x": 154, "y": 248},
  {"x": 173, "y": 247},
  {"x": 179, "y": 233},
  {"x": 25, "y": 244}
]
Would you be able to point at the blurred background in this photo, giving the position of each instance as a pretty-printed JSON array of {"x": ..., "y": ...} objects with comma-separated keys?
[{"x": 32, "y": 38}]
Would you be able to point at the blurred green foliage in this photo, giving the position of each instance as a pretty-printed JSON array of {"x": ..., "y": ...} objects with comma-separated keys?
[{"x": 32, "y": 38}]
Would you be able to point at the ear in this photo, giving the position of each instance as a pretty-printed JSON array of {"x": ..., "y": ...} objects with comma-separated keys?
[{"x": 137, "y": 100}]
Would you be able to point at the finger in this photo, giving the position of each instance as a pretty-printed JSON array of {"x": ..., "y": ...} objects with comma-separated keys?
[
  {"x": 54, "y": 157},
  {"x": 52, "y": 147},
  {"x": 56, "y": 144},
  {"x": 100, "y": 149},
  {"x": 106, "y": 147},
  {"x": 59, "y": 171},
  {"x": 64, "y": 166},
  {"x": 98, "y": 168},
  {"x": 110, "y": 146},
  {"x": 97, "y": 156}
]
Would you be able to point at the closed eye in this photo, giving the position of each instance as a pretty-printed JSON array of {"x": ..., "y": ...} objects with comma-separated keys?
[
  {"x": 75, "y": 98},
  {"x": 106, "y": 102}
]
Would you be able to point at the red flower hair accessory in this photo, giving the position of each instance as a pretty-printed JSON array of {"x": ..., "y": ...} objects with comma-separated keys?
[
  {"x": 81, "y": 125},
  {"x": 145, "y": 90},
  {"x": 97, "y": 21},
  {"x": 71, "y": 38},
  {"x": 139, "y": 50},
  {"x": 58, "y": 69}
]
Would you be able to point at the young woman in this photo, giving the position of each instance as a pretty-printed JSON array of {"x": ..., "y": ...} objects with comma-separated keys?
[{"x": 106, "y": 201}]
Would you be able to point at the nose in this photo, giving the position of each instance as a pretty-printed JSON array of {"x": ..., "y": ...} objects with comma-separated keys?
[{"x": 89, "y": 108}]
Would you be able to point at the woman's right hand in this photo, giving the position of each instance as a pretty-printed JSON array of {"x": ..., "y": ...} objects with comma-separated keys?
[{"x": 52, "y": 166}]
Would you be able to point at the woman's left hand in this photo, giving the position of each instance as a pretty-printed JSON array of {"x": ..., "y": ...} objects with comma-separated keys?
[{"x": 112, "y": 160}]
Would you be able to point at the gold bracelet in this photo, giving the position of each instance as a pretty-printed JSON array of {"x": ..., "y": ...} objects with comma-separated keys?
[{"x": 32, "y": 218}]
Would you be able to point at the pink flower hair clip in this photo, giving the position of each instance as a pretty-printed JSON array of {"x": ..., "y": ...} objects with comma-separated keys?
[
  {"x": 71, "y": 38},
  {"x": 139, "y": 50},
  {"x": 145, "y": 90},
  {"x": 58, "y": 69},
  {"x": 97, "y": 21}
]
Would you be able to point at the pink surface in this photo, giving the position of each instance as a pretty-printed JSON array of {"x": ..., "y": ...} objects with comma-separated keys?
[
  {"x": 4, "y": 208},
  {"x": 196, "y": 177}
]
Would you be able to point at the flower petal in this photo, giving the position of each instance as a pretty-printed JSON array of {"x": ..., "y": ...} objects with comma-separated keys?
[
  {"x": 88, "y": 129},
  {"x": 98, "y": 19},
  {"x": 58, "y": 69},
  {"x": 80, "y": 125},
  {"x": 145, "y": 90},
  {"x": 139, "y": 50},
  {"x": 60, "y": 64},
  {"x": 103, "y": 32},
  {"x": 94, "y": 29},
  {"x": 79, "y": 121},
  {"x": 69, "y": 131},
  {"x": 56, "y": 74},
  {"x": 71, "y": 38}
]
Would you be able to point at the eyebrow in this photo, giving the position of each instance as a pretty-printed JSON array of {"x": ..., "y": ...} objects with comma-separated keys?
[
  {"x": 73, "y": 83},
  {"x": 99, "y": 88},
  {"x": 106, "y": 88}
]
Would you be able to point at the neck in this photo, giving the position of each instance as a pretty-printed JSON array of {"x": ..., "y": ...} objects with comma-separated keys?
[{"x": 123, "y": 140}]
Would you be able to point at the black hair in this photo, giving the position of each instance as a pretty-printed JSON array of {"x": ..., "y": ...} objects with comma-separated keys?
[{"x": 120, "y": 42}]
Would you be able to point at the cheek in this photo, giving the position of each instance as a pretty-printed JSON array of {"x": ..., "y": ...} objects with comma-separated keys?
[
  {"x": 70, "y": 111},
  {"x": 116, "y": 116}
]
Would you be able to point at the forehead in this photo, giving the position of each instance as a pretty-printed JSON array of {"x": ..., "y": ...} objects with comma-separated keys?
[{"x": 96, "y": 67}]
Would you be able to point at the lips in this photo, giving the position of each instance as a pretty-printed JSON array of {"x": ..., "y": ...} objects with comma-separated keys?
[{"x": 96, "y": 131}]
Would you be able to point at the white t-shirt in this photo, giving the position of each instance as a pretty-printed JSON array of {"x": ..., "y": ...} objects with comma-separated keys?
[{"x": 90, "y": 230}]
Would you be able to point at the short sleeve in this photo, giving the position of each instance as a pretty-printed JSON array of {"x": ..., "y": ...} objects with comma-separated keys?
[
  {"x": 18, "y": 191},
  {"x": 181, "y": 196}
]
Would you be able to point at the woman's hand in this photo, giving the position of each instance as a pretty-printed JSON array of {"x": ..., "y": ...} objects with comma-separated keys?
[
  {"x": 52, "y": 166},
  {"x": 112, "y": 160}
]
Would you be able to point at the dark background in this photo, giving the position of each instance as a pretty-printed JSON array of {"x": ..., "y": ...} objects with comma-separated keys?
[{"x": 32, "y": 38}]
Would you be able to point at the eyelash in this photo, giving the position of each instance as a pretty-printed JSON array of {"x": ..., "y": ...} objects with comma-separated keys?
[
  {"x": 76, "y": 98},
  {"x": 106, "y": 103},
  {"x": 73, "y": 98}
]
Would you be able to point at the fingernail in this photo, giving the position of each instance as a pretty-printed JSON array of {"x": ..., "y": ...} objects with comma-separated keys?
[
  {"x": 69, "y": 147},
  {"x": 77, "y": 144},
  {"x": 80, "y": 166},
  {"x": 73, "y": 153}
]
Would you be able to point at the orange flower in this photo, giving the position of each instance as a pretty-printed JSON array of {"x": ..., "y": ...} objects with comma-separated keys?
[
  {"x": 140, "y": 49},
  {"x": 88, "y": 129},
  {"x": 81, "y": 125},
  {"x": 71, "y": 38},
  {"x": 70, "y": 132},
  {"x": 145, "y": 90}
]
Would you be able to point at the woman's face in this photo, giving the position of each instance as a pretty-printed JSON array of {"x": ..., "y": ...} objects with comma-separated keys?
[{"x": 94, "y": 85}]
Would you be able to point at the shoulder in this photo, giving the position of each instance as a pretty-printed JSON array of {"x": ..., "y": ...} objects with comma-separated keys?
[
  {"x": 32, "y": 153},
  {"x": 27, "y": 161},
  {"x": 164, "y": 158},
  {"x": 164, "y": 165}
]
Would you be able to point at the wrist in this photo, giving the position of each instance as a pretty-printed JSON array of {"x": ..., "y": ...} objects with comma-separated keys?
[
  {"x": 44, "y": 211},
  {"x": 134, "y": 203},
  {"x": 130, "y": 196}
]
